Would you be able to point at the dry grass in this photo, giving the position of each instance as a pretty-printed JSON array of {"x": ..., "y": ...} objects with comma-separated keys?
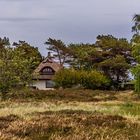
[
  {"x": 70, "y": 115},
  {"x": 69, "y": 125}
]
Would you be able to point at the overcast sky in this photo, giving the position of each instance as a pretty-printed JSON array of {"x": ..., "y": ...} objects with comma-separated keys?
[{"x": 69, "y": 20}]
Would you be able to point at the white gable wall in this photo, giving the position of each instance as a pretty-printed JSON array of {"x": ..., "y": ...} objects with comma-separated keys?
[{"x": 41, "y": 85}]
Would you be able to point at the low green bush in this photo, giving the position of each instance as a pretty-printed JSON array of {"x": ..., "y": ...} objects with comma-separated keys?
[
  {"x": 68, "y": 78},
  {"x": 94, "y": 80}
]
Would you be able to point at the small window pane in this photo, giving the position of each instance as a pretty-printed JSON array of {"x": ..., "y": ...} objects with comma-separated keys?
[
  {"x": 47, "y": 70},
  {"x": 49, "y": 84}
]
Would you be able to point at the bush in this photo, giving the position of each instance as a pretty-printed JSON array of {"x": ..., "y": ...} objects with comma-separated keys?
[
  {"x": 68, "y": 78},
  {"x": 94, "y": 80}
]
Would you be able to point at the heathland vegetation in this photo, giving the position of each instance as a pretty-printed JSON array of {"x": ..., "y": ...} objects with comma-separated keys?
[
  {"x": 90, "y": 101},
  {"x": 70, "y": 114}
]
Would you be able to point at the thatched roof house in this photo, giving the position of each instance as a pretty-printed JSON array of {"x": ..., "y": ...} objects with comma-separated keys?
[{"x": 44, "y": 73}]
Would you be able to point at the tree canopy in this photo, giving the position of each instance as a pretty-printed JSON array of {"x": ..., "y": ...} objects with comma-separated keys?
[
  {"x": 29, "y": 53},
  {"x": 59, "y": 49},
  {"x": 136, "y": 27},
  {"x": 16, "y": 65},
  {"x": 110, "y": 55},
  {"x": 136, "y": 51}
]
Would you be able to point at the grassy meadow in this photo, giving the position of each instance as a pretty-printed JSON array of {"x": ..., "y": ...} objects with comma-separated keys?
[{"x": 70, "y": 114}]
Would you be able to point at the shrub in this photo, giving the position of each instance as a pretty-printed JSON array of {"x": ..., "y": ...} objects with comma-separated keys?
[
  {"x": 68, "y": 78},
  {"x": 94, "y": 80}
]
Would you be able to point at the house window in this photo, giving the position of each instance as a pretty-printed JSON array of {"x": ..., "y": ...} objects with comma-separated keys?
[
  {"x": 47, "y": 71},
  {"x": 49, "y": 84}
]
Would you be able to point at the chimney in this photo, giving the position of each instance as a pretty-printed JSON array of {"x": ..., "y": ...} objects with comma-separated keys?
[{"x": 49, "y": 54}]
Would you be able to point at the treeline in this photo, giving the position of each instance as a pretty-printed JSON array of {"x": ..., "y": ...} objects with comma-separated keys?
[
  {"x": 102, "y": 65},
  {"x": 106, "y": 64},
  {"x": 109, "y": 56}
]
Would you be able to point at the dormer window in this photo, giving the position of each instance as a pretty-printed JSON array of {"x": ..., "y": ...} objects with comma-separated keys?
[{"x": 47, "y": 71}]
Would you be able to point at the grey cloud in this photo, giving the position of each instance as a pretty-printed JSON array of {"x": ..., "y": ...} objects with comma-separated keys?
[
  {"x": 19, "y": 19},
  {"x": 69, "y": 20}
]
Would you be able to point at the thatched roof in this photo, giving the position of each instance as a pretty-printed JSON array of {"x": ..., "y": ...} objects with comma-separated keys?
[{"x": 48, "y": 63}]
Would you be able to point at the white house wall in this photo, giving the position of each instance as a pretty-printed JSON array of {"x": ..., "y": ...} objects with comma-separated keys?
[{"x": 41, "y": 84}]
